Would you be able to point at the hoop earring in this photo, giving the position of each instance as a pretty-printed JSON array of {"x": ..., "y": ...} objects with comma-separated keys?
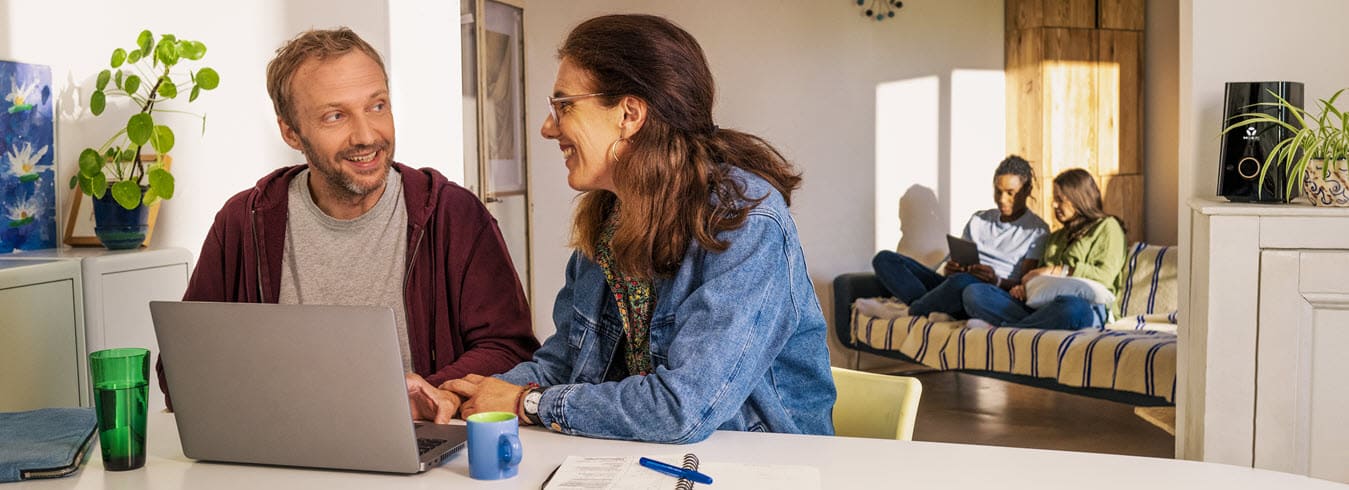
[{"x": 613, "y": 149}]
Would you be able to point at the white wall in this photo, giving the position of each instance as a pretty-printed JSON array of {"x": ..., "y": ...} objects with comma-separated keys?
[
  {"x": 845, "y": 98},
  {"x": 241, "y": 142},
  {"x": 424, "y": 80},
  {"x": 1161, "y": 120}
]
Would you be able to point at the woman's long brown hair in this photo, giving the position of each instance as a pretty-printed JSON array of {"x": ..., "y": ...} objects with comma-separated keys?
[
  {"x": 675, "y": 188},
  {"x": 1078, "y": 188}
]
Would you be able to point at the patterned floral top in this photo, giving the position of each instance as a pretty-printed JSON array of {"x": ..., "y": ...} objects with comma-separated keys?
[{"x": 635, "y": 298}]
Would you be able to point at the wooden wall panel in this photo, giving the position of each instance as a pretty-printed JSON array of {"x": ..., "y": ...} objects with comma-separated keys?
[
  {"x": 1024, "y": 92},
  {"x": 1120, "y": 102},
  {"x": 1123, "y": 197},
  {"x": 1074, "y": 97},
  {"x": 1027, "y": 14},
  {"x": 1043, "y": 199},
  {"x": 1069, "y": 100},
  {"x": 1120, "y": 14}
]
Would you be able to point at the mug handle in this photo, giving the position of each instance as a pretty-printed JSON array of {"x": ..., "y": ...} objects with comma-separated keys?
[{"x": 509, "y": 451}]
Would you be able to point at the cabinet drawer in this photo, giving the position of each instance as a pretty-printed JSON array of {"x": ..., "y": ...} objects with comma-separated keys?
[{"x": 1304, "y": 232}]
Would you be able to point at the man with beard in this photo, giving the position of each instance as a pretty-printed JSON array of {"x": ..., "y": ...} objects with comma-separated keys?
[{"x": 353, "y": 227}]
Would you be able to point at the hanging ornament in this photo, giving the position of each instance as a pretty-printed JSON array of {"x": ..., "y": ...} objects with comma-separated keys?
[{"x": 880, "y": 9}]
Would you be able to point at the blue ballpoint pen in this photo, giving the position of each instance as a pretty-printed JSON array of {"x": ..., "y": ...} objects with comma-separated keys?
[{"x": 676, "y": 471}]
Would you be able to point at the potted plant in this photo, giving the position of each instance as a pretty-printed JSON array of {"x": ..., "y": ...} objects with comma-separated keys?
[
  {"x": 123, "y": 181},
  {"x": 1315, "y": 153}
]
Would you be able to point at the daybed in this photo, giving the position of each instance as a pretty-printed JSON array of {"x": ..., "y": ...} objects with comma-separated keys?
[{"x": 1132, "y": 359}]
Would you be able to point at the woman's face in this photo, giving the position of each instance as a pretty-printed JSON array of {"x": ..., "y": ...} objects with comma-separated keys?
[
  {"x": 1008, "y": 193},
  {"x": 1063, "y": 208},
  {"x": 584, "y": 130}
]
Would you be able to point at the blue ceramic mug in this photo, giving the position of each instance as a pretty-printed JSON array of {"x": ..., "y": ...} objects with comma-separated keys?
[{"x": 493, "y": 445}]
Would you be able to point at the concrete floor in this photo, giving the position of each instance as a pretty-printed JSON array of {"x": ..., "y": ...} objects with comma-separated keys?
[{"x": 965, "y": 408}]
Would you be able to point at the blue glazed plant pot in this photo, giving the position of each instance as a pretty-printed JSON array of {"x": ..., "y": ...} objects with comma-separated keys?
[{"x": 117, "y": 227}]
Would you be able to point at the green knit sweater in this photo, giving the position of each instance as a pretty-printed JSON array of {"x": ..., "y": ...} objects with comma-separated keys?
[{"x": 1097, "y": 255}]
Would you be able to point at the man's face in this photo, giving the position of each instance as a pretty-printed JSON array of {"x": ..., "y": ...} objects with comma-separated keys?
[{"x": 343, "y": 123}]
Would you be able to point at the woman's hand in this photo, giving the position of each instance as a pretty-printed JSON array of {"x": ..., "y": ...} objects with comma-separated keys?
[
  {"x": 485, "y": 394},
  {"x": 1019, "y": 292},
  {"x": 983, "y": 273},
  {"x": 428, "y": 402}
]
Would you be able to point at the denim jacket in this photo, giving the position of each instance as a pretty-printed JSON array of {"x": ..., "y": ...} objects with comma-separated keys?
[{"x": 737, "y": 343}]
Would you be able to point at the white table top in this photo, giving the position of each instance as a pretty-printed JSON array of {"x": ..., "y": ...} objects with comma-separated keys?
[{"x": 843, "y": 463}]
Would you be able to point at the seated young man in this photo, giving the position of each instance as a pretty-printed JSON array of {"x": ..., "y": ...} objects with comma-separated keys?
[{"x": 1010, "y": 238}]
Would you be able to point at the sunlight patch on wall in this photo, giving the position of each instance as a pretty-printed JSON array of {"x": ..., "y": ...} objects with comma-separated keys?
[
  {"x": 907, "y": 166},
  {"x": 978, "y": 141}
]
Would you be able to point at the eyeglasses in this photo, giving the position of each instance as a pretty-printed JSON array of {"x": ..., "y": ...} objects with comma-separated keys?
[{"x": 553, "y": 101}]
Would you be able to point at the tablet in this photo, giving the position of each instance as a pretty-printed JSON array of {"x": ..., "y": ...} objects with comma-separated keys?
[{"x": 963, "y": 252}]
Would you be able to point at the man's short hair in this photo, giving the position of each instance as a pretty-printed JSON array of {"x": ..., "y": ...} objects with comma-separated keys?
[{"x": 316, "y": 44}]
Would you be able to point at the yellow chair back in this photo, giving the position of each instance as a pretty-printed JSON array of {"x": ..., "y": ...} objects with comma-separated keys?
[{"x": 875, "y": 405}]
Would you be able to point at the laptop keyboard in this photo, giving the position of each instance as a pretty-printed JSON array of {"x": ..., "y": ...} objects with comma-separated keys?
[{"x": 424, "y": 445}]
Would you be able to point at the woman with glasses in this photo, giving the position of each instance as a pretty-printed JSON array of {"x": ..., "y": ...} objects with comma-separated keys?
[{"x": 687, "y": 307}]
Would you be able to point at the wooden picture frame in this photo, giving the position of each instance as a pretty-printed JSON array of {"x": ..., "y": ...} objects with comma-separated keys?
[{"x": 80, "y": 219}]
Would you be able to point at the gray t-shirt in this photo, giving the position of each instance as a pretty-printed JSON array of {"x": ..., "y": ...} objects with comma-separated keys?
[
  {"x": 1003, "y": 246},
  {"x": 360, "y": 261}
]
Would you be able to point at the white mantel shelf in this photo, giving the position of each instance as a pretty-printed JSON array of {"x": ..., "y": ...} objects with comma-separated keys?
[
  {"x": 1211, "y": 206},
  {"x": 1277, "y": 226}
]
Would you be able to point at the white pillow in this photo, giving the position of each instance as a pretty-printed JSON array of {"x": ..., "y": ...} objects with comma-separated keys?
[{"x": 1043, "y": 289}]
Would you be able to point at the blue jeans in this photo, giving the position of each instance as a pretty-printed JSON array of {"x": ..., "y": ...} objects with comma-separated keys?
[
  {"x": 997, "y": 307},
  {"x": 921, "y": 288}
]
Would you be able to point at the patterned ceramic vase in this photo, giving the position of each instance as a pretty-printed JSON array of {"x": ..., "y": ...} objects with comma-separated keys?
[{"x": 1326, "y": 191}]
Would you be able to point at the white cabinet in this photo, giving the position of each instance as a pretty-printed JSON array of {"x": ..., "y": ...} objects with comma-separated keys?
[
  {"x": 1265, "y": 343},
  {"x": 117, "y": 287},
  {"x": 41, "y": 336}
]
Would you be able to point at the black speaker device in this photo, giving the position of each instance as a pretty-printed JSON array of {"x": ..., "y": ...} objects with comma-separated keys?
[{"x": 1244, "y": 149}]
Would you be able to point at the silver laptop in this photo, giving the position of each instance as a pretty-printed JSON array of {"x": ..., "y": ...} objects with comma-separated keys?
[{"x": 314, "y": 386}]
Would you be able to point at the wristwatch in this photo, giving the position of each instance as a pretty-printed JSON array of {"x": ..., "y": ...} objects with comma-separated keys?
[{"x": 530, "y": 405}]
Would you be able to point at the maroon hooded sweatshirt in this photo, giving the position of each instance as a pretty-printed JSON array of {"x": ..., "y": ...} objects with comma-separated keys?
[{"x": 466, "y": 311}]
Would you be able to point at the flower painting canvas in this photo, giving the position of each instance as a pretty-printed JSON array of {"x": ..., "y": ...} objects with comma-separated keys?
[{"x": 27, "y": 173}]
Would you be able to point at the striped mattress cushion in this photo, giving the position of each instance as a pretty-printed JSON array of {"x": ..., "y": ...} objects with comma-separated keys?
[
  {"x": 1137, "y": 361},
  {"x": 1148, "y": 296}
]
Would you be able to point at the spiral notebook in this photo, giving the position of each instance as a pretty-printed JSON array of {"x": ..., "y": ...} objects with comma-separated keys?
[{"x": 624, "y": 473}]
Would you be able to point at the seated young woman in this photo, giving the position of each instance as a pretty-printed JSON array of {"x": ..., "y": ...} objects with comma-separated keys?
[
  {"x": 1010, "y": 238},
  {"x": 1091, "y": 245},
  {"x": 687, "y": 307}
]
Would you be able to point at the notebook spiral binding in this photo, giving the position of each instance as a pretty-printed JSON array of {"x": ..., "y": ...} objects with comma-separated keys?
[{"x": 690, "y": 463}]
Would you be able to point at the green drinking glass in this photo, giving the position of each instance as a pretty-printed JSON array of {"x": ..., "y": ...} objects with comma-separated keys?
[{"x": 121, "y": 398}]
